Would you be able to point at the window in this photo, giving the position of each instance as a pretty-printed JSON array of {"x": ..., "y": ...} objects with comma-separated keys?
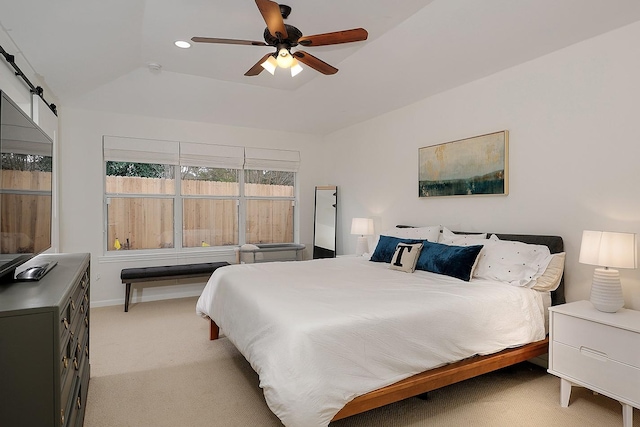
[
  {"x": 270, "y": 203},
  {"x": 199, "y": 195},
  {"x": 140, "y": 205},
  {"x": 209, "y": 206}
]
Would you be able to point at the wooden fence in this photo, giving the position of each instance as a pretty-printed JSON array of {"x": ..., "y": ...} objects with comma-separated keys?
[
  {"x": 25, "y": 219},
  {"x": 147, "y": 223}
]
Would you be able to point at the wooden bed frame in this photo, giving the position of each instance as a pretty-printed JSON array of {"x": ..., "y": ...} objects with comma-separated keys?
[
  {"x": 433, "y": 378},
  {"x": 453, "y": 372}
]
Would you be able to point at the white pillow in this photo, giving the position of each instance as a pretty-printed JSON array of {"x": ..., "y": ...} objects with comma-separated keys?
[
  {"x": 448, "y": 237},
  {"x": 515, "y": 263},
  {"x": 550, "y": 279},
  {"x": 406, "y": 257},
  {"x": 430, "y": 233}
]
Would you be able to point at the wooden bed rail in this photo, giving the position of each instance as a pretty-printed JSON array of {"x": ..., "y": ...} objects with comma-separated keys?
[{"x": 440, "y": 377}]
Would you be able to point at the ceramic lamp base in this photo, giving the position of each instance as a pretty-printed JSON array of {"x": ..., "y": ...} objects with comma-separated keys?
[
  {"x": 362, "y": 246},
  {"x": 606, "y": 291}
]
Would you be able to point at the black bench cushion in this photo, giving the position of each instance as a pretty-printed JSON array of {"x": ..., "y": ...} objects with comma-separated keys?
[{"x": 170, "y": 270}]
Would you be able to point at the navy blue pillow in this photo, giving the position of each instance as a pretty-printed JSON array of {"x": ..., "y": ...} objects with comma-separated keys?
[
  {"x": 454, "y": 261},
  {"x": 387, "y": 247}
]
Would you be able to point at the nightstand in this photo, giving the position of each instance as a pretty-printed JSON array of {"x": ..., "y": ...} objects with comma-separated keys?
[{"x": 596, "y": 350}]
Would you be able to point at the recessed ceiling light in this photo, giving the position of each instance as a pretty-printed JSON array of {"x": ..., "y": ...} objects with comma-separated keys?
[{"x": 183, "y": 44}]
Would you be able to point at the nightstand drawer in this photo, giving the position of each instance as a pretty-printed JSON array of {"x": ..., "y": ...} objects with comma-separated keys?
[
  {"x": 596, "y": 371},
  {"x": 618, "y": 344}
]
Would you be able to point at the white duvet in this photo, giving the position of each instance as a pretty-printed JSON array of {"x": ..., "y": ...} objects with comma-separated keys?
[{"x": 319, "y": 333}]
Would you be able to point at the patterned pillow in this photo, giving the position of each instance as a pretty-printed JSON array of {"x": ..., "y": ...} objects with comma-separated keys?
[
  {"x": 516, "y": 263},
  {"x": 405, "y": 257},
  {"x": 454, "y": 261}
]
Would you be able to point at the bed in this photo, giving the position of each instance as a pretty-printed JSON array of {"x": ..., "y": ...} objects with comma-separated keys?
[{"x": 331, "y": 338}]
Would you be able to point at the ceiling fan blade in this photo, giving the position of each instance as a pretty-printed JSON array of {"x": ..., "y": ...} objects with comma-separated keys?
[
  {"x": 346, "y": 36},
  {"x": 315, "y": 63},
  {"x": 273, "y": 17},
  {"x": 257, "y": 69},
  {"x": 227, "y": 41}
]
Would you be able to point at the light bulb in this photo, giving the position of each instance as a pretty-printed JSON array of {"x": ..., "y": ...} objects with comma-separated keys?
[
  {"x": 284, "y": 58},
  {"x": 295, "y": 67},
  {"x": 270, "y": 65}
]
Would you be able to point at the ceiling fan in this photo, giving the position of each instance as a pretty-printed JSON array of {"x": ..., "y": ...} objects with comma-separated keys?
[{"x": 283, "y": 37}]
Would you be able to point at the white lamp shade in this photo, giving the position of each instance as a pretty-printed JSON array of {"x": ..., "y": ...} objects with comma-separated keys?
[
  {"x": 609, "y": 249},
  {"x": 296, "y": 68},
  {"x": 270, "y": 65},
  {"x": 362, "y": 226},
  {"x": 284, "y": 60}
]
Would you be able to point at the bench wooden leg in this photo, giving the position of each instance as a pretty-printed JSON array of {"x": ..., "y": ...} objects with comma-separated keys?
[
  {"x": 127, "y": 295},
  {"x": 214, "y": 331}
]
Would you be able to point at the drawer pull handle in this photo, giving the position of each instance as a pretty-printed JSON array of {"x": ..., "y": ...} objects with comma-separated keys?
[
  {"x": 86, "y": 321},
  {"x": 86, "y": 298},
  {"x": 79, "y": 348},
  {"x": 82, "y": 309},
  {"x": 594, "y": 354},
  {"x": 62, "y": 416},
  {"x": 86, "y": 350},
  {"x": 75, "y": 363},
  {"x": 73, "y": 305},
  {"x": 78, "y": 402},
  {"x": 66, "y": 323},
  {"x": 65, "y": 362}
]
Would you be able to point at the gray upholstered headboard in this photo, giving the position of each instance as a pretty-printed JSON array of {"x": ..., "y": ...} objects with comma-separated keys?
[{"x": 554, "y": 243}]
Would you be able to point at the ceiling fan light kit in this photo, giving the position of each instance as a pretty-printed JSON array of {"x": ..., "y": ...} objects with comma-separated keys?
[
  {"x": 283, "y": 37},
  {"x": 270, "y": 65}
]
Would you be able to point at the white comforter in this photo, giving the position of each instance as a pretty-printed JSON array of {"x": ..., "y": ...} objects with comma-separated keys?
[{"x": 319, "y": 333}]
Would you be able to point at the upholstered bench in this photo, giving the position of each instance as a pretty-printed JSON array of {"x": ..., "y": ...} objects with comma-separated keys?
[{"x": 167, "y": 272}]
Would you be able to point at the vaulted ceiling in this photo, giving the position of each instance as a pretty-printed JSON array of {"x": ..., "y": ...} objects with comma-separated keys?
[{"x": 95, "y": 54}]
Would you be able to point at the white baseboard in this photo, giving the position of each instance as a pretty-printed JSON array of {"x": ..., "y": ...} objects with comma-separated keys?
[{"x": 148, "y": 298}]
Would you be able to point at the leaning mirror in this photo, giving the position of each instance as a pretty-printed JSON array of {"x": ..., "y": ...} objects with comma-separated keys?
[{"x": 324, "y": 224}]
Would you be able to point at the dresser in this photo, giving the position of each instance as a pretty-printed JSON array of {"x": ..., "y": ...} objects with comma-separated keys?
[
  {"x": 44, "y": 345},
  {"x": 596, "y": 350}
]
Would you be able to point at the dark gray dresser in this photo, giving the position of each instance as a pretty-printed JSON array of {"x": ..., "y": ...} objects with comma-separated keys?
[{"x": 44, "y": 346}]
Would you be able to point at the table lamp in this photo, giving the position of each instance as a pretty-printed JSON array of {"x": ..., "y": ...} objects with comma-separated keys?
[
  {"x": 608, "y": 250},
  {"x": 363, "y": 227}
]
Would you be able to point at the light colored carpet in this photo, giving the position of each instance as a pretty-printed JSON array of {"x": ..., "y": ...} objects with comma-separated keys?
[{"x": 155, "y": 366}]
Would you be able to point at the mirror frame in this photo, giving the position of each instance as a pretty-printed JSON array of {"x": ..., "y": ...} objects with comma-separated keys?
[{"x": 319, "y": 251}]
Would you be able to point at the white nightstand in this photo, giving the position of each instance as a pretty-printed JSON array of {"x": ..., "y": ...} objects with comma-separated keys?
[{"x": 596, "y": 350}]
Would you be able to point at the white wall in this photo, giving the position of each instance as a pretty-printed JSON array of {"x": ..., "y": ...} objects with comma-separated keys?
[
  {"x": 81, "y": 201},
  {"x": 574, "y": 153}
]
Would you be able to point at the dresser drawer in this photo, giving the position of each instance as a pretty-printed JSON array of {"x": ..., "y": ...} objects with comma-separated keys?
[
  {"x": 618, "y": 344},
  {"x": 597, "y": 372}
]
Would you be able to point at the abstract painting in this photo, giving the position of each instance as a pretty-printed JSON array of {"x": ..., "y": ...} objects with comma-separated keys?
[{"x": 473, "y": 166}]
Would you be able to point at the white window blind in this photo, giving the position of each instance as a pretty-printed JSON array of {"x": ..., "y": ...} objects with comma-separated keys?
[
  {"x": 136, "y": 150},
  {"x": 121, "y": 149},
  {"x": 210, "y": 155},
  {"x": 270, "y": 159}
]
